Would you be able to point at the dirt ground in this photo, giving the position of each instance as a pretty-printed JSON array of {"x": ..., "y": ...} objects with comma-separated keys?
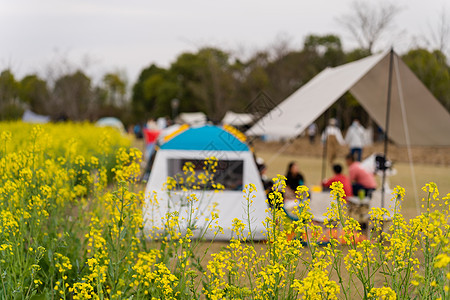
[
  {"x": 302, "y": 147},
  {"x": 429, "y": 164}
]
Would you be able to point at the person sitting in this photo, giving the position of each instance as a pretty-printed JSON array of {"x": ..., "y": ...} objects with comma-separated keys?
[
  {"x": 293, "y": 180},
  {"x": 267, "y": 182},
  {"x": 361, "y": 179},
  {"x": 262, "y": 168},
  {"x": 338, "y": 176}
]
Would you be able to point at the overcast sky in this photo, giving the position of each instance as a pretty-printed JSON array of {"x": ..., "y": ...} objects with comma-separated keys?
[{"x": 108, "y": 35}]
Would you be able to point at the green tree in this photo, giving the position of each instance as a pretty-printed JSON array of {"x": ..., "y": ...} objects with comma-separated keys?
[
  {"x": 115, "y": 85},
  {"x": 356, "y": 54},
  {"x": 34, "y": 91},
  {"x": 206, "y": 80},
  {"x": 251, "y": 78},
  {"x": 328, "y": 49},
  {"x": 144, "y": 96},
  {"x": 10, "y": 106},
  {"x": 290, "y": 71},
  {"x": 159, "y": 90},
  {"x": 432, "y": 70},
  {"x": 73, "y": 97},
  {"x": 202, "y": 81}
]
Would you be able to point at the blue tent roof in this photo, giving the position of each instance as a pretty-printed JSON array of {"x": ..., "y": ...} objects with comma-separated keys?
[{"x": 208, "y": 138}]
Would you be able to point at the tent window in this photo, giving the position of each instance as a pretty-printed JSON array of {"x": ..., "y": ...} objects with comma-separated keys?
[{"x": 229, "y": 172}]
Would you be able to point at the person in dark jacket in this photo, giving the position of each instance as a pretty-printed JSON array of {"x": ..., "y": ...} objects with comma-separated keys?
[{"x": 293, "y": 177}]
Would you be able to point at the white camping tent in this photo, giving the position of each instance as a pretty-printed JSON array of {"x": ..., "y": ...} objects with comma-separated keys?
[
  {"x": 31, "y": 117},
  {"x": 237, "y": 119},
  {"x": 416, "y": 117},
  {"x": 236, "y": 168},
  {"x": 111, "y": 122},
  {"x": 194, "y": 118}
]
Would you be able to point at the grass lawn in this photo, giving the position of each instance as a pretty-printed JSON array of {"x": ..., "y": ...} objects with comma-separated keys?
[{"x": 311, "y": 168}]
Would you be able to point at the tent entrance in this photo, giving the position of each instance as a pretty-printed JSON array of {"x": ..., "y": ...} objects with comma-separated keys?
[{"x": 229, "y": 173}]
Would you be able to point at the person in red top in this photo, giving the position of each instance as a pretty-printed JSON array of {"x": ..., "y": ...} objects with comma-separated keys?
[
  {"x": 360, "y": 178},
  {"x": 151, "y": 134},
  {"x": 338, "y": 176}
]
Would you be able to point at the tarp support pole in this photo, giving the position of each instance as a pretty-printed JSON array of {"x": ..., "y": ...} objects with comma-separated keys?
[
  {"x": 324, "y": 151},
  {"x": 407, "y": 136},
  {"x": 386, "y": 128}
]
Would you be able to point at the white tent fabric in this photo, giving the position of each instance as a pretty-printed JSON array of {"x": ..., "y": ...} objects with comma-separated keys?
[
  {"x": 111, "y": 122},
  {"x": 195, "y": 118},
  {"x": 230, "y": 204},
  {"x": 236, "y": 119},
  {"x": 167, "y": 131},
  {"x": 31, "y": 117},
  {"x": 367, "y": 80}
]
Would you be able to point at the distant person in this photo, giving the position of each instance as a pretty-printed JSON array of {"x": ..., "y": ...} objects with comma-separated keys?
[
  {"x": 266, "y": 181},
  {"x": 151, "y": 133},
  {"x": 151, "y": 124},
  {"x": 379, "y": 134},
  {"x": 332, "y": 136},
  {"x": 356, "y": 139},
  {"x": 169, "y": 122},
  {"x": 137, "y": 129},
  {"x": 361, "y": 179},
  {"x": 294, "y": 179},
  {"x": 312, "y": 131},
  {"x": 62, "y": 118},
  {"x": 338, "y": 176},
  {"x": 161, "y": 123}
]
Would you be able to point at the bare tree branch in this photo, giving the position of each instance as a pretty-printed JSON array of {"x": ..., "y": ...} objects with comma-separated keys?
[
  {"x": 367, "y": 22},
  {"x": 440, "y": 34}
]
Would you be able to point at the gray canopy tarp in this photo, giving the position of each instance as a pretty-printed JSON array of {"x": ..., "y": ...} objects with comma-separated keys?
[{"x": 414, "y": 109}]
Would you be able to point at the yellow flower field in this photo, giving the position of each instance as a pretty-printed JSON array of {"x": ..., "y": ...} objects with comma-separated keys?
[{"x": 71, "y": 227}]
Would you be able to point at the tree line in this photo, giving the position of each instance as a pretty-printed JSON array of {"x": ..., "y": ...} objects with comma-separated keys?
[
  {"x": 211, "y": 80},
  {"x": 71, "y": 96},
  {"x": 214, "y": 80}
]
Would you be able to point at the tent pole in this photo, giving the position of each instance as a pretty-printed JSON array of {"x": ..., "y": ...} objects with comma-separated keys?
[
  {"x": 407, "y": 136},
  {"x": 324, "y": 151},
  {"x": 386, "y": 128}
]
